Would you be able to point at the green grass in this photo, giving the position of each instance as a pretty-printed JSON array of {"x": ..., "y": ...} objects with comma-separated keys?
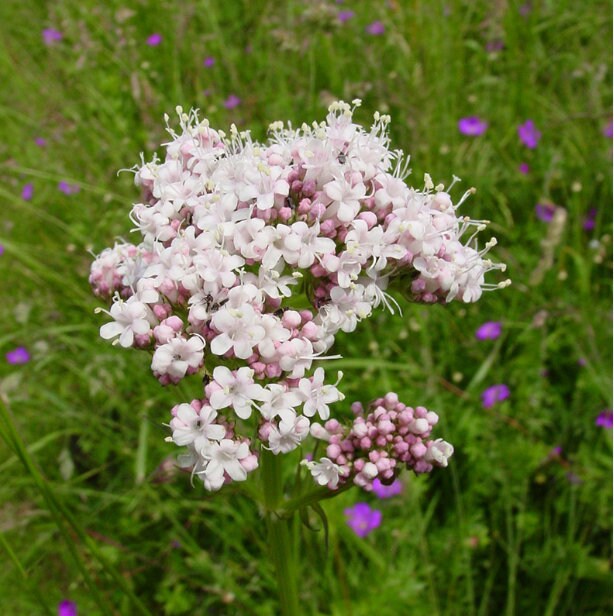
[{"x": 89, "y": 509}]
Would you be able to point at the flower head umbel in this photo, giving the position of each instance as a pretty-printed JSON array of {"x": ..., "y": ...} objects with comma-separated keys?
[
  {"x": 253, "y": 257},
  {"x": 528, "y": 134},
  {"x": 362, "y": 519}
]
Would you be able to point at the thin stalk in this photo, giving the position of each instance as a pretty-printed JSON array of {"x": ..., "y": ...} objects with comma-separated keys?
[{"x": 281, "y": 545}]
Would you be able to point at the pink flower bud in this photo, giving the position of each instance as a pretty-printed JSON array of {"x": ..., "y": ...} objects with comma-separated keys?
[
  {"x": 370, "y": 470},
  {"x": 391, "y": 398},
  {"x": 369, "y": 217},
  {"x": 332, "y": 451},
  {"x": 291, "y": 319},
  {"x": 418, "y": 450},
  {"x": 386, "y": 427},
  {"x": 250, "y": 463},
  {"x": 365, "y": 443},
  {"x": 309, "y": 188},
  {"x": 432, "y": 418},
  {"x": 419, "y": 426}
]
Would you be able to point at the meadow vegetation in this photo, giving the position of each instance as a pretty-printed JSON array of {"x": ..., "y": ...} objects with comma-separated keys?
[{"x": 92, "y": 506}]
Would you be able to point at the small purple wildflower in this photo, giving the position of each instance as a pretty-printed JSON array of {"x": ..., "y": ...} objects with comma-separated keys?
[
  {"x": 232, "y": 101},
  {"x": 472, "y": 126},
  {"x": 528, "y": 134},
  {"x": 382, "y": 491},
  {"x": 376, "y": 28},
  {"x": 573, "y": 478},
  {"x": 582, "y": 362},
  {"x": 40, "y": 142},
  {"x": 556, "y": 452},
  {"x": 68, "y": 189},
  {"x": 545, "y": 211},
  {"x": 18, "y": 355},
  {"x": 153, "y": 40},
  {"x": 607, "y": 130},
  {"x": 525, "y": 9},
  {"x": 494, "y": 45},
  {"x": 27, "y": 192},
  {"x": 589, "y": 220},
  {"x": 490, "y": 330},
  {"x": 524, "y": 168},
  {"x": 209, "y": 61},
  {"x": 344, "y": 16},
  {"x": 362, "y": 519},
  {"x": 604, "y": 419},
  {"x": 67, "y": 608},
  {"x": 494, "y": 394},
  {"x": 1, "y": 249},
  {"x": 51, "y": 36}
]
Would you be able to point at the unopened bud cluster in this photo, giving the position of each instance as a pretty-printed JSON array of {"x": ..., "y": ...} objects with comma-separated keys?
[{"x": 379, "y": 443}]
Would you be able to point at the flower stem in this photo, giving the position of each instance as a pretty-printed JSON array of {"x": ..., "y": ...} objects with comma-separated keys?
[{"x": 281, "y": 546}]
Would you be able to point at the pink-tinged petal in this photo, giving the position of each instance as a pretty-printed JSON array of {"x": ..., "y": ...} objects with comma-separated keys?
[
  {"x": 219, "y": 399},
  {"x": 235, "y": 470},
  {"x": 243, "y": 349},
  {"x": 186, "y": 413},
  {"x": 221, "y": 344},
  {"x": 243, "y": 409},
  {"x": 178, "y": 369},
  {"x": 215, "y": 432},
  {"x": 223, "y": 376},
  {"x": 111, "y": 330},
  {"x": 223, "y": 320},
  {"x": 126, "y": 338},
  {"x": 183, "y": 436},
  {"x": 141, "y": 327}
]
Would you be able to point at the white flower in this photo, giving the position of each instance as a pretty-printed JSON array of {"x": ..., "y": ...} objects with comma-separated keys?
[
  {"x": 217, "y": 266},
  {"x": 318, "y": 396},
  {"x": 275, "y": 333},
  {"x": 277, "y": 400},
  {"x": 223, "y": 458},
  {"x": 237, "y": 389},
  {"x": 310, "y": 244},
  {"x": 325, "y": 472},
  {"x": 296, "y": 356},
  {"x": 130, "y": 317},
  {"x": 438, "y": 452},
  {"x": 288, "y": 434},
  {"x": 239, "y": 329},
  {"x": 192, "y": 426},
  {"x": 178, "y": 356},
  {"x": 345, "y": 199}
]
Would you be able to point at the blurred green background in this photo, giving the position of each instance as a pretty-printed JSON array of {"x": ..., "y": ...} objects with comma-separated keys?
[{"x": 91, "y": 507}]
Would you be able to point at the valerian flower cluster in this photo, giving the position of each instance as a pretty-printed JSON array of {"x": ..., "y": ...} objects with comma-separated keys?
[{"x": 253, "y": 256}]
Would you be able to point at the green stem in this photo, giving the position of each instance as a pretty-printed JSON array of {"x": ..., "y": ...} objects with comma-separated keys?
[
  {"x": 280, "y": 542},
  {"x": 315, "y": 496}
]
